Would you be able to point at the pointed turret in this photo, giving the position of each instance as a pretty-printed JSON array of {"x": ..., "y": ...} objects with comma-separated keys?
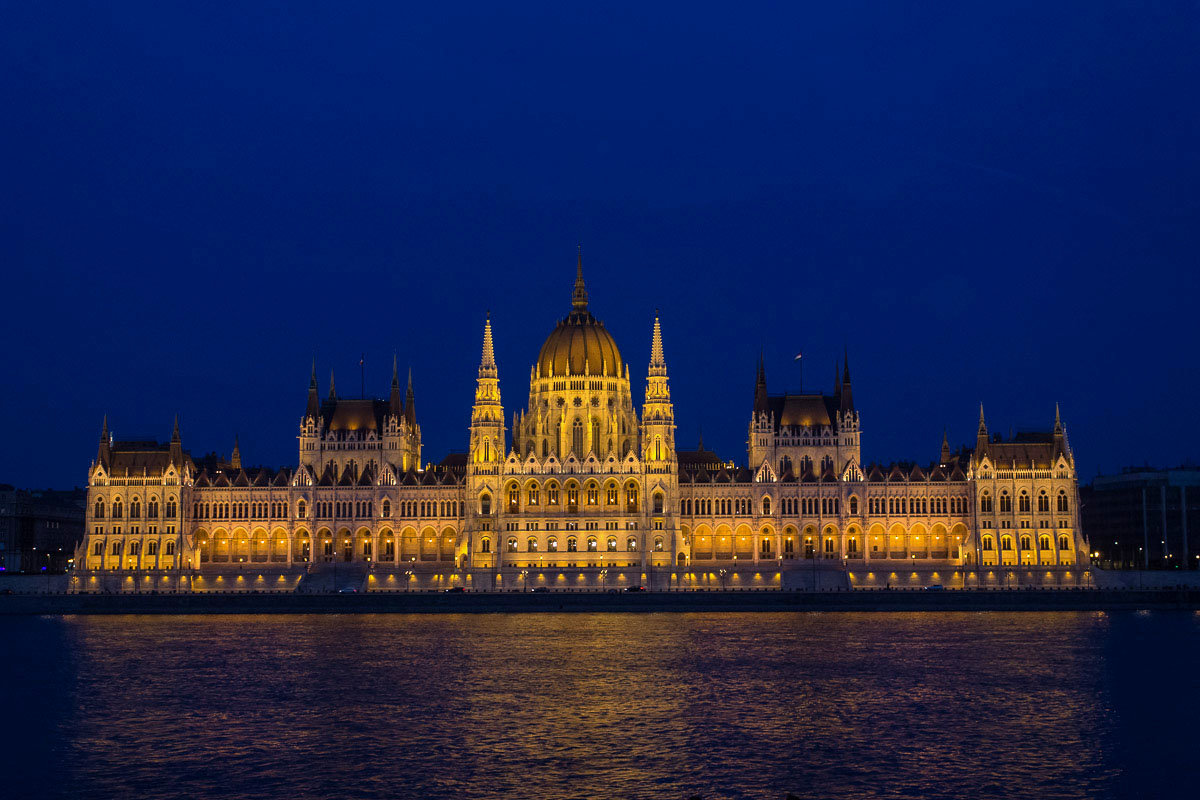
[
  {"x": 235, "y": 460},
  {"x": 105, "y": 450},
  {"x": 760, "y": 388},
  {"x": 395, "y": 406},
  {"x": 487, "y": 415},
  {"x": 410, "y": 403},
  {"x": 945, "y": 459},
  {"x": 1060, "y": 434},
  {"x": 313, "y": 408},
  {"x": 176, "y": 444},
  {"x": 579, "y": 297},
  {"x": 332, "y": 387},
  {"x": 847, "y": 394},
  {"x": 658, "y": 414},
  {"x": 981, "y": 435},
  {"x": 658, "y": 363},
  {"x": 487, "y": 360}
]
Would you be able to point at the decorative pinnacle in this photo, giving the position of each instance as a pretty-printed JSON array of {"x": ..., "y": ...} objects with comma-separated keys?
[
  {"x": 658, "y": 363},
  {"x": 175, "y": 433},
  {"x": 579, "y": 298},
  {"x": 487, "y": 361},
  {"x": 312, "y": 381},
  {"x": 395, "y": 371},
  {"x": 982, "y": 424},
  {"x": 332, "y": 388}
]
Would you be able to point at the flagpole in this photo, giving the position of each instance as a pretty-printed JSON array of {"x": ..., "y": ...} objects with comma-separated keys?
[{"x": 362, "y": 375}]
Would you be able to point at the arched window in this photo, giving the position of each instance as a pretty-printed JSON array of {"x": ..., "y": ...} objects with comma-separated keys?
[
  {"x": 593, "y": 494},
  {"x": 1064, "y": 542},
  {"x": 577, "y": 438},
  {"x": 1043, "y": 502},
  {"x": 631, "y": 543},
  {"x": 766, "y": 505},
  {"x": 552, "y": 494},
  {"x": 485, "y": 545},
  {"x": 532, "y": 495},
  {"x": 1023, "y": 503},
  {"x": 152, "y": 547},
  {"x": 828, "y": 546},
  {"x": 1044, "y": 542},
  {"x": 512, "y": 544},
  {"x": 658, "y": 503},
  {"x": 1005, "y": 503},
  {"x": 1006, "y": 543},
  {"x": 612, "y": 544},
  {"x": 135, "y": 548},
  {"x": 852, "y": 545},
  {"x": 1062, "y": 502},
  {"x": 572, "y": 544},
  {"x": 853, "y": 505},
  {"x": 116, "y": 508},
  {"x": 152, "y": 508},
  {"x": 172, "y": 508},
  {"x": 485, "y": 504},
  {"x": 657, "y": 448},
  {"x": 658, "y": 544},
  {"x": 631, "y": 496},
  {"x": 1026, "y": 543},
  {"x": 987, "y": 543},
  {"x": 170, "y": 548},
  {"x": 591, "y": 544},
  {"x": 612, "y": 495},
  {"x": 99, "y": 512},
  {"x": 386, "y": 507},
  {"x": 301, "y": 509},
  {"x": 552, "y": 544},
  {"x": 514, "y": 497},
  {"x": 985, "y": 503},
  {"x": 487, "y": 450},
  {"x": 531, "y": 544}
]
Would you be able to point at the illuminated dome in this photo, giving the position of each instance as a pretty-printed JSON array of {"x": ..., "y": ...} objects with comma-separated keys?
[{"x": 580, "y": 344}]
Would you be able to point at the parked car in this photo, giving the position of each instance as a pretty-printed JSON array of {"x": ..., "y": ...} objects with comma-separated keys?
[
  {"x": 455, "y": 590},
  {"x": 347, "y": 590},
  {"x": 935, "y": 587},
  {"x": 635, "y": 588},
  {"x": 540, "y": 589}
]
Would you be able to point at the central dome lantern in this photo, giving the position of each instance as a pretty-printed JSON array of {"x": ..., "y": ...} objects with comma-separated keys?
[{"x": 579, "y": 345}]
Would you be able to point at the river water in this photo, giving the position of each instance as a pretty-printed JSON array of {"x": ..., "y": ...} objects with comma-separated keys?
[{"x": 1072, "y": 705}]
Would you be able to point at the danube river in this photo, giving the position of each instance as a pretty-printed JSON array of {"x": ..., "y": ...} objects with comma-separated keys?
[{"x": 1072, "y": 705}]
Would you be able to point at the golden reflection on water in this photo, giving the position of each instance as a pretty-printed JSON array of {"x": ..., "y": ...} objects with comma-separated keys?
[{"x": 579, "y": 705}]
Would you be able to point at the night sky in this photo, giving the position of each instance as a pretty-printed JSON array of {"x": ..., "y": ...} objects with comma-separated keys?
[{"x": 981, "y": 201}]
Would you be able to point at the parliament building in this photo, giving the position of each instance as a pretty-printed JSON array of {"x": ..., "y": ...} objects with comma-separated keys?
[{"x": 581, "y": 491}]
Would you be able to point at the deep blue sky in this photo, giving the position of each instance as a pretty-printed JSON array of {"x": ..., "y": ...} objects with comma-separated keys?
[{"x": 982, "y": 201}]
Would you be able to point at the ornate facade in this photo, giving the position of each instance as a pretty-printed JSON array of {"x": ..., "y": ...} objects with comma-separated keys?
[{"x": 581, "y": 490}]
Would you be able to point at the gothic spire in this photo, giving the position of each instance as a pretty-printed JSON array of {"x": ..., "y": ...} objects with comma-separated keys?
[
  {"x": 235, "y": 460},
  {"x": 410, "y": 404},
  {"x": 945, "y": 447},
  {"x": 313, "y": 409},
  {"x": 658, "y": 362},
  {"x": 395, "y": 407},
  {"x": 760, "y": 387},
  {"x": 487, "y": 360},
  {"x": 982, "y": 423},
  {"x": 1058, "y": 426},
  {"x": 332, "y": 388},
  {"x": 102, "y": 453},
  {"x": 579, "y": 298},
  {"x": 175, "y": 432},
  {"x": 176, "y": 444}
]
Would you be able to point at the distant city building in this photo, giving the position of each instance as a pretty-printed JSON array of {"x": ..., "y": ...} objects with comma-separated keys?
[
  {"x": 40, "y": 528},
  {"x": 1144, "y": 518},
  {"x": 581, "y": 487}
]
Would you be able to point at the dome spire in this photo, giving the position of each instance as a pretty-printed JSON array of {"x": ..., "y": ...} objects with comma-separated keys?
[{"x": 579, "y": 300}]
